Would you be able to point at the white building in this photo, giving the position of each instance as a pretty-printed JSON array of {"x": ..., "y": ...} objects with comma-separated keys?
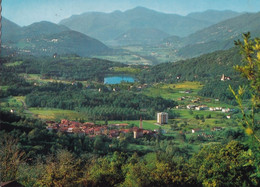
[
  {"x": 191, "y": 106},
  {"x": 162, "y": 118},
  {"x": 225, "y": 109}
]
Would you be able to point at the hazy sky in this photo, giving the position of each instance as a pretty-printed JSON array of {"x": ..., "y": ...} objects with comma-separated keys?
[{"x": 25, "y": 12}]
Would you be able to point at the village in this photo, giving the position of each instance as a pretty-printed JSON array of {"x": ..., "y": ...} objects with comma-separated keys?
[{"x": 92, "y": 130}]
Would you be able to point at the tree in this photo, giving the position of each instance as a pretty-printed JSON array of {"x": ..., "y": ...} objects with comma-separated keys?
[
  {"x": 105, "y": 171},
  {"x": 250, "y": 50},
  {"x": 224, "y": 165},
  {"x": 62, "y": 170},
  {"x": 10, "y": 158}
]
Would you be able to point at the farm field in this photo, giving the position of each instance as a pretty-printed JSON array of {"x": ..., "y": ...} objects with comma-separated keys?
[
  {"x": 143, "y": 55},
  {"x": 147, "y": 124},
  {"x": 188, "y": 90},
  {"x": 56, "y": 114},
  {"x": 14, "y": 63},
  {"x": 9, "y": 103},
  {"x": 130, "y": 59},
  {"x": 173, "y": 91}
]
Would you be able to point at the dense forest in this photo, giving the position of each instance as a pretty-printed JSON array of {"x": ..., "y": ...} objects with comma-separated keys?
[
  {"x": 100, "y": 105},
  {"x": 66, "y": 68}
]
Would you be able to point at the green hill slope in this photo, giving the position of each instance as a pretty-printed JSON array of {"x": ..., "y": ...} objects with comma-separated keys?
[
  {"x": 220, "y": 36},
  {"x": 204, "y": 68},
  {"x": 42, "y": 28},
  {"x": 10, "y": 31},
  {"x": 228, "y": 29},
  {"x": 46, "y": 38}
]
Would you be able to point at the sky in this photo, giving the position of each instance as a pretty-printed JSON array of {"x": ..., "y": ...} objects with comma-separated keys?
[{"x": 26, "y": 12}]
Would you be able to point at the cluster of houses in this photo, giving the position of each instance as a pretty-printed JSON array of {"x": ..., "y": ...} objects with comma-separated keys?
[
  {"x": 196, "y": 107},
  {"x": 90, "y": 129},
  {"x": 203, "y": 134},
  {"x": 213, "y": 129},
  {"x": 116, "y": 89},
  {"x": 205, "y": 107},
  {"x": 226, "y": 110}
]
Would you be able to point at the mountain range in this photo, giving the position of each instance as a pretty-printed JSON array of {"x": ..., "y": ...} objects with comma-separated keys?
[
  {"x": 191, "y": 35},
  {"x": 46, "y": 38},
  {"x": 219, "y": 36},
  {"x": 110, "y": 26}
]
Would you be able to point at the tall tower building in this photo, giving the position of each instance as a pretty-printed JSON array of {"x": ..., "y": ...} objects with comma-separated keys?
[
  {"x": 162, "y": 118},
  {"x": 141, "y": 123}
]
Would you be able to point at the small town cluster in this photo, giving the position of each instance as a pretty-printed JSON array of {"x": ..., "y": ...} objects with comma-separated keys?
[{"x": 91, "y": 129}]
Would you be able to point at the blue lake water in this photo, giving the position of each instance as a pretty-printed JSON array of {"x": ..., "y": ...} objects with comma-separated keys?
[{"x": 118, "y": 79}]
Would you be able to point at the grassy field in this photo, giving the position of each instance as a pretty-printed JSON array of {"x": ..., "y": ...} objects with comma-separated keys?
[
  {"x": 126, "y": 70},
  {"x": 23, "y": 44},
  {"x": 135, "y": 147},
  {"x": 158, "y": 53},
  {"x": 173, "y": 91},
  {"x": 56, "y": 114},
  {"x": 36, "y": 78},
  {"x": 12, "y": 102},
  {"x": 14, "y": 63},
  {"x": 126, "y": 58},
  {"x": 147, "y": 124},
  {"x": 3, "y": 88},
  {"x": 176, "y": 91}
]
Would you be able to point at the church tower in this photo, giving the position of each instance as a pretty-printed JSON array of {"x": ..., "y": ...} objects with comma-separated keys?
[{"x": 141, "y": 123}]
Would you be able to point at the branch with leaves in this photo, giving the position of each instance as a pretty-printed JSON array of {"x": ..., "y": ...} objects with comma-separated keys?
[{"x": 250, "y": 51}]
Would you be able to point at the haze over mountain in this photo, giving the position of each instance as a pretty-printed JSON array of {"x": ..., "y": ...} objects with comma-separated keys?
[
  {"x": 141, "y": 36},
  {"x": 108, "y": 26},
  {"x": 227, "y": 29},
  {"x": 46, "y": 38},
  {"x": 219, "y": 36},
  {"x": 138, "y": 26},
  {"x": 42, "y": 28},
  {"x": 213, "y": 16},
  {"x": 10, "y": 30}
]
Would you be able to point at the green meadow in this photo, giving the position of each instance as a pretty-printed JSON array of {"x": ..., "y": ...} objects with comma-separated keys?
[{"x": 56, "y": 114}]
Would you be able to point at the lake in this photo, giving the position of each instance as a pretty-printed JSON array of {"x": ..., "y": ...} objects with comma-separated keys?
[{"x": 118, "y": 79}]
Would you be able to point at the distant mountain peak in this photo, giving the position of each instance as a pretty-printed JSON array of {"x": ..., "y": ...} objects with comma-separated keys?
[
  {"x": 108, "y": 26},
  {"x": 140, "y": 9}
]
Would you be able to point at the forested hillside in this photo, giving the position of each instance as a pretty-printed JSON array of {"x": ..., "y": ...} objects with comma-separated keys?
[
  {"x": 207, "y": 69},
  {"x": 204, "y": 68},
  {"x": 220, "y": 36},
  {"x": 46, "y": 38}
]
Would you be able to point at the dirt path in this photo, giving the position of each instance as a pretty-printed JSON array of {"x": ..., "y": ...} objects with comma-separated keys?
[{"x": 26, "y": 108}]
